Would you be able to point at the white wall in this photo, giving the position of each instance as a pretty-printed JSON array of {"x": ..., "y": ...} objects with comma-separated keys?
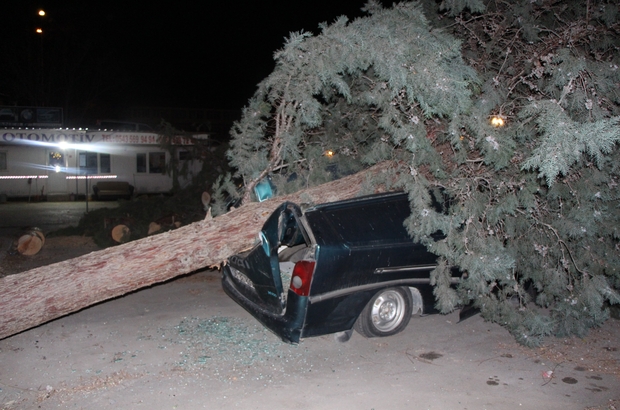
[{"x": 27, "y": 155}]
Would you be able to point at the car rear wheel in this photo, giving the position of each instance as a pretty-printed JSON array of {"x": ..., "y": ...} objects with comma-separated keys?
[{"x": 387, "y": 313}]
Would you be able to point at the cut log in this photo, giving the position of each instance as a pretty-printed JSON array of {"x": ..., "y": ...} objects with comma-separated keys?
[
  {"x": 31, "y": 242},
  {"x": 37, "y": 296},
  {"x": 206, "y": 200},
  {"x": 165, "y": 223},
  {"x": 121, "y": 233},
  {"x": 154, "y": 227}
]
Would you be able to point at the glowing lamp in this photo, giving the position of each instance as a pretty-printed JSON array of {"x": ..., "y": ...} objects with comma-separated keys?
[{"x": 497, "y": 121}]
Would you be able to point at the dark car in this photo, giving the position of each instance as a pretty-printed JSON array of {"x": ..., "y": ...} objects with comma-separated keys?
[{"x": 334, "y": 267}]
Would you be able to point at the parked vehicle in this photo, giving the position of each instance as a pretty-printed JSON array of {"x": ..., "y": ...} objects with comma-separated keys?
[{"x": 332, "y": 268}]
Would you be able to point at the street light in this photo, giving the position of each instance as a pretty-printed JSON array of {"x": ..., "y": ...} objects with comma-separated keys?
[
  {"x": 39, "y": 31},
  {"x": 41, "y": 13}
]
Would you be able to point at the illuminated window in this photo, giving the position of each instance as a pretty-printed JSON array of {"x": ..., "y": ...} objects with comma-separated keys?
[
  {"x": 3, "y": 166},
  {"x": 56, "y": 160}
]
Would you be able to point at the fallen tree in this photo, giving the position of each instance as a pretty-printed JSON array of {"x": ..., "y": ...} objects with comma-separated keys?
[
  {"x": 37, "y": 296},
  {"x": 512, "y": 116}
]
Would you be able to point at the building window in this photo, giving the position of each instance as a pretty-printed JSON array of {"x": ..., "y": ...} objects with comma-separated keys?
[
  {"x": 157, "y": 162},
  {"x": 56, "y": 160},
  {"x": 105, "y": 166},
  {"x": 3, "y": 166},
  {"x": 185, "y": 155},
  {"x": 88, "y": 163},
  {"x": 153, "y": 163},
  {"x": 141, "y": 163},
  {"x": 91, "y": 163}
]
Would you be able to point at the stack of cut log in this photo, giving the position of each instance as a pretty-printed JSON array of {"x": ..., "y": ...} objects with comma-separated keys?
[{"x": 165, "y": 223}]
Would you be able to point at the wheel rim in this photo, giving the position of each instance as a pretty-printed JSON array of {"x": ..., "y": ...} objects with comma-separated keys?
[{"x": 388, "y": 311}]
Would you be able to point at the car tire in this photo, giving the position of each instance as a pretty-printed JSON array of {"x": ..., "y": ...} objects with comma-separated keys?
[{"x": 387, "y": 313}]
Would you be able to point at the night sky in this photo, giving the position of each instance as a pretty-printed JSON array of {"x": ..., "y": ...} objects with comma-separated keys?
[{"x": 206, "y": 54}]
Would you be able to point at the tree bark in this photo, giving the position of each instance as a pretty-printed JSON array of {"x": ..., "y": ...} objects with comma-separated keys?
[{"x": 37, "y": 296}]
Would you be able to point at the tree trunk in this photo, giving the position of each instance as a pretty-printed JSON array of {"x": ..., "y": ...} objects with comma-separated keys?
[{"x": 37, "y": 296}]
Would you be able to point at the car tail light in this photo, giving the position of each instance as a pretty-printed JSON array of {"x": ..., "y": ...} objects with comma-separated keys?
[{"x": 302, "y": 276}]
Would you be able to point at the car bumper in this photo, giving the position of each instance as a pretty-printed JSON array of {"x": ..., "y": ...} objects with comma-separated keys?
[{"x": 287, "y": 326}]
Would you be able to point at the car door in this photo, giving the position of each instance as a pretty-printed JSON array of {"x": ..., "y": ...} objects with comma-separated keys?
[{"x": 261, "y": 264}]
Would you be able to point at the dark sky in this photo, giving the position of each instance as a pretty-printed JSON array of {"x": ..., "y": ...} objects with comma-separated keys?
[{"x": 208, "y": 54}]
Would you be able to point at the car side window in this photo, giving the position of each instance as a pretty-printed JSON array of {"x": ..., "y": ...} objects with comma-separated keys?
[{"x": 375, "y": 223}]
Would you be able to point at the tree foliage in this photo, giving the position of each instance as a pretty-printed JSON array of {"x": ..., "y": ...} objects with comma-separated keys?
[
  {"x": 510, "y": 111},
  {"x": 338, "y": 91}
]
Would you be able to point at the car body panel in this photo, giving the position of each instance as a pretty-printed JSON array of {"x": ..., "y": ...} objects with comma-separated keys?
[{"x": 359, "y": 247}]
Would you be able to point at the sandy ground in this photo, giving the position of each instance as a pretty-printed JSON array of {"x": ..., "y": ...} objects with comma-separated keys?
[
  {"x": 55, "y": 249},
  {"x": 185, "y": 345},
  {"x": 17, "y": 218}
]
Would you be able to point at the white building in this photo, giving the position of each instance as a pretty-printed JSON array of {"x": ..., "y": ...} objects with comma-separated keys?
[{"x": 59, "y": 163}]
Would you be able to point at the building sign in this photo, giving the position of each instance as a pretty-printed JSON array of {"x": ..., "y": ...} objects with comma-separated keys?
[
  {"x": 46, "y": 136},
  {"x": 55, "y": 136},
  {"x": 13, "y": 116},
  {"x": 131, "y": 138}
]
